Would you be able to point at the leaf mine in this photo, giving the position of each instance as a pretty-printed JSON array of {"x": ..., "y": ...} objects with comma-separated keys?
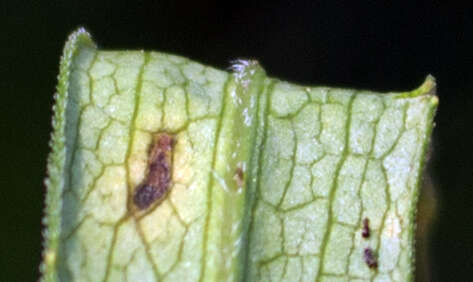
[{"x": 158, "y": 178}]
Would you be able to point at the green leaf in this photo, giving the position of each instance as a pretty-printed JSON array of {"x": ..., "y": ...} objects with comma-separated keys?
[{"x": 269, "y": 180}]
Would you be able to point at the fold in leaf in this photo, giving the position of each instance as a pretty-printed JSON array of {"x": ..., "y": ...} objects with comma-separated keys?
[{"x": 264, "y": 180}]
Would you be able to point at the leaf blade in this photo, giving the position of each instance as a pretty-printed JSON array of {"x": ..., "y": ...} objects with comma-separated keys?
[
  {"x": 244, "y": 141},
  {"x": 311, "y": 229}
]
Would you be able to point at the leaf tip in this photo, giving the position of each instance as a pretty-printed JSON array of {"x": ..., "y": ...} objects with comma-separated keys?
[
  {"x": 79, "y": 34},
  {"x": 428, "y": 88}
]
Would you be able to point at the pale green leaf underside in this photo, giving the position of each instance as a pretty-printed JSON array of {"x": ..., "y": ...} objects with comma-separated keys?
[{"x": 316, "y": 161}]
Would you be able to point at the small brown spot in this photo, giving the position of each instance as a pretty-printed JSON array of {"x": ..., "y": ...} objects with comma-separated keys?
[
  {"x": 370, "y": 258},
  {"x": 239, "y": 176},
  {"x": 365, "y": 232},
  {"x": 158, "y": 179}
]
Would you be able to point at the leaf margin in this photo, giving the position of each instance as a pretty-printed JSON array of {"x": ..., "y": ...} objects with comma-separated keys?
[
  {"x": 56, "y": 162},
  {"x": 427, "y": 89}
]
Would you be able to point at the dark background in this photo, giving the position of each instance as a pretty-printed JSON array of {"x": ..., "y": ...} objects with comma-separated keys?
[{"x": 379, "y": 45}]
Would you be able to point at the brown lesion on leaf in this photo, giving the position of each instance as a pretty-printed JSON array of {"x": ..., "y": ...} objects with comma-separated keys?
[
  {"x": 157, "y": 182},
  {"x": 239, "y": 176},
  {"x": 370, "y": 258},
  {"x": 365, "y": 231}
]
